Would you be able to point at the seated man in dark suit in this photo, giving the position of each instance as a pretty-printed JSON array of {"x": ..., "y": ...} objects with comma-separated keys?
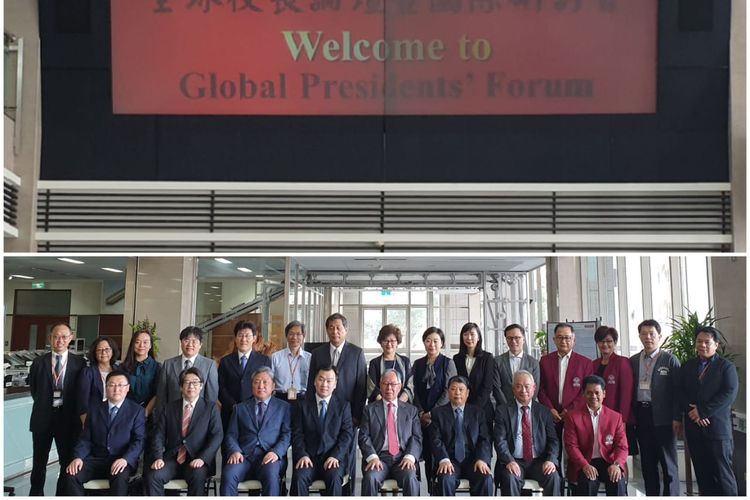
[
  {"x": 321, "y": 437},
  {"x": 111, "y": 441},
  {"x": 187, "y": 436},
  {"x": 390, "y": 439},
  {"x": 596, "y": 444},
  {"x": 526, "y": 441},
  {"x": 257, "y": 439},
  {"x": 460, "y": 443}
]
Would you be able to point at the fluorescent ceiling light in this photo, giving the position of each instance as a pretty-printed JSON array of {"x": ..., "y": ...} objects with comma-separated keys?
[
  {"x": 72, "y": 261},
  {"x": 244, "y": 269},
  {"x": 23, "y": 277},
  {"x": 222, "y": 260},
  {"x": 112, "y": 270},
  {"x": 259, "y": 276},
  {"x": 215, "y": 287}
]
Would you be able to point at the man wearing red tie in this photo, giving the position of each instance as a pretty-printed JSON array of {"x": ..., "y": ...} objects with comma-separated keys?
[
  {"x": 596, "y": 444},
  {"x": 561, "y": 376}
]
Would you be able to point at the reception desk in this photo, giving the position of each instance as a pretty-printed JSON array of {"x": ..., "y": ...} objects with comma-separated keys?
[{"x": 17, "y": 443}]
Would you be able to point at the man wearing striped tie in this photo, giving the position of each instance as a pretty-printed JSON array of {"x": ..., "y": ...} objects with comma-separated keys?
[
  {"x": 187, "y": 436},
  {"x": 111, "y": 441}
]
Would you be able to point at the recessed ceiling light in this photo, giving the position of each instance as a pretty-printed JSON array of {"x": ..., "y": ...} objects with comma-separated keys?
[
  {"x": 206, "y": 293},
  {"x": 259, "y": 276},
  {"x": 112, "y": 270},
  {"x": 72, "y": 261},
  {"x": 23, "y": 277},
  {"x": 222, "y": 260},
  {"x": 216, "y": 287},
  {"x": 244, "y": 269}
]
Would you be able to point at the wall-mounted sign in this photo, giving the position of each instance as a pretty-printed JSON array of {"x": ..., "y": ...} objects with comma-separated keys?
[{"x": 384, "y": 57}]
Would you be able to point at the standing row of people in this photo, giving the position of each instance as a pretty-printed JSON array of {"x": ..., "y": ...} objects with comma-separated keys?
[{"x": 645, "y": 390}]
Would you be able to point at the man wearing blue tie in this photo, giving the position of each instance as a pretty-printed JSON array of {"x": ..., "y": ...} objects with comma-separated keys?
[
  {"x": 321, "y": 437},
  {"x": 257, "y": 439},
  {"x": 111, "y": 442}
]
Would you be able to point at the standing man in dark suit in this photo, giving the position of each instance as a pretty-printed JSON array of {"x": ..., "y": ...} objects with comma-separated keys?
[
  {"x": 349, "y": 361},
  {"x": 656, "y": 411},
  {"x": 390, "y": 439},
  {"x": 187, "y": 436},
  {"x": 526, "y": 441},
  {"x": 236, "y": 369},
  {"x": 257, "y": 439},
  {"x": 111, "y": 442},
  {"x": 321, "y": 437},
  {"x": 461, "y": 443},
  {"x": 709, "y": 388},
  {"x": 168, "y": 388},
  {"x": 52, "y": 380},
  {"x": 508, "y": 363}
]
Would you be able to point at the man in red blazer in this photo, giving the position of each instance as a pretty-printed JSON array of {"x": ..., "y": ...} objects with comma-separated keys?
[
  {"x": 561, "y": 397},
  {"x": 596, "y": 444}
]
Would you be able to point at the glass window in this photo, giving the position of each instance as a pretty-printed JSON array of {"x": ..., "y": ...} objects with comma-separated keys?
[
  {"x": 696, "y": 279},
  {"x": 419, "y": 297},
  {"x": 373, "y": 322},
  {"x": 661, "y": 292},
  {"x": 417, "y": 326},
  {"x": 384, "y": 297},
  {"x": 592, "y": 287},
  {"x": 634, "y": 292}
]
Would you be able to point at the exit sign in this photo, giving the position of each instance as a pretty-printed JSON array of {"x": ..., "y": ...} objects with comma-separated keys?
[
  {"x": 40, "y": 284},
  {"x": 385, "y": 293}
]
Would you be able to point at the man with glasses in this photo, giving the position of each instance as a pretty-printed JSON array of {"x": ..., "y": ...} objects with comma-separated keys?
[
  {"x": 52, "y": 380},
  {"x": 168, "y": 388},
  {"x": 291, "y": 366},
  {"x": 656, "y": 411},
  {"x": 508, "y": 363},
  {"x": 562, "y": 373},
  {"x": 187, "y": 436},
  {"x": 111, "y": 441},
  {"x": 236, "y": 369}
]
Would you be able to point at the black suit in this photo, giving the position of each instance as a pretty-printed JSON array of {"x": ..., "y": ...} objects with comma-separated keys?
[
  {"x": 235, "y": 385},
  {"x": 47, "y": 423},
  {"x": 478, "y": 446},
  {"x": 320, "y": 440},
  {"x": 711, "y": 447},
  {"x": 202, "y": 440},
  {"x": 482, "y": 378},
  {"x": 546, "y": 448}
]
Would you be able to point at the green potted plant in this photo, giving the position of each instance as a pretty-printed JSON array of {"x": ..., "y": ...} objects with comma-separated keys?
[
  {"x": 540, "y": 340},
  {"x": 146, "y": 325}
]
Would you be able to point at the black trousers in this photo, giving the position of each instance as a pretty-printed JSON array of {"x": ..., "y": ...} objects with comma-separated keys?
[
  {"x": 511, "y": 485},
  {"x": 590, "y": 488},
  {"x": 658, "y": 445},
  {"x": 97, "y": 468},
  {"x": 303, "y": 478},
  {"x": 712, "y": 460},
  {"x": 481, "y": 484},
  {"x": 65, "y": 439},
  {"x": 156, "y": 479}
]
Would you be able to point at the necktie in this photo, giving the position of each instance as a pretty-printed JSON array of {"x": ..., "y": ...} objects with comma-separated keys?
[
  {"x": 528, "y": 439},
  {"x": 392, "y": 433},
  {"x": 243, "y": 362},
  {"x": 703, "y": 366},
  {"x": 188, "y": 364},
  {"x": 335, "y": 357},
  {"x": 460, "y": 444},
  {"x": 261, "y": 413},
  {"x": 112, "y": 413},
  {"x": 322, "y": 414},
  {"x": 186, "y": 416},
  {"x": 58, "y": 369}
]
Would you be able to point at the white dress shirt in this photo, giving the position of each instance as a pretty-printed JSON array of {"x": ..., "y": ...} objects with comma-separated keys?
[
  {"x": 595, "y": 424},
  {"x": 563, "y": 371}
]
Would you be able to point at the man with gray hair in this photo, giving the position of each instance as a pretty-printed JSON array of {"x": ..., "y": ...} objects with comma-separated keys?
[
  {"x": 526, "y": 441},
  {"x": 390, "y": 439}
]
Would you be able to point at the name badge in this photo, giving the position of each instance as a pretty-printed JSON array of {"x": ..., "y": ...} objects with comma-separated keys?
[
  {"x": 291, "y": 394},
  {"x": 57, "y": 400},
  {"x": 645, "y": 385}
]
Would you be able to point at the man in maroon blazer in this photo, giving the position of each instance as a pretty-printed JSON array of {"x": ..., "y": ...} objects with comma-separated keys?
[
  {"x": 563, "y": 393},
  {"x": 596, "y": 444}
]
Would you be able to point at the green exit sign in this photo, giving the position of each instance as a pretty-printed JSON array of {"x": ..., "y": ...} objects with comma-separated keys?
[
  {"x": 385, "y": 293},
  {"x": 40, "y": 284}
]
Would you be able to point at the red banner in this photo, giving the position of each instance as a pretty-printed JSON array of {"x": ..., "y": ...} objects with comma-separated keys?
[{"x": 384, "y": 57}]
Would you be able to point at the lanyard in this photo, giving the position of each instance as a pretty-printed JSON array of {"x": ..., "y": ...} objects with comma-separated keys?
[
  {"x": 58, "y": 378},
  {"x": 293, "y": 366},
  {"x": 703, "y": 371}
]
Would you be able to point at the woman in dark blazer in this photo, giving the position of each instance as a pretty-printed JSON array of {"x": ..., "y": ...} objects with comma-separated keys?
[
  {"x": 431, "y": 375},
  {"x": 103, "y": 357},
  {"x": 389, "y": 338},
  {"x": 143, "y": 370},
  {"x": 616, "y": 372},
  {"x": 477, "y": 365}
]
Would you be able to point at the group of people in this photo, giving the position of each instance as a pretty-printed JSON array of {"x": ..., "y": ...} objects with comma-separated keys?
[{"x": 447, "y": 412}]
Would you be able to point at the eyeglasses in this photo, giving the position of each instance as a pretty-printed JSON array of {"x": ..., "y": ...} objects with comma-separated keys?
[
  {"x": 191, "y": 340},
  {"x": 390, "y": 341},
  {"x": 117, "y": 386},
  {"x": 390, "y": 384},
  {"x": 513, "y": 339},
  {"x": 58, "y": 338},
  {"x": 103, "y": 351},
  {"x": 564, "y": 339},
  {"x": 196, "y": 383}
]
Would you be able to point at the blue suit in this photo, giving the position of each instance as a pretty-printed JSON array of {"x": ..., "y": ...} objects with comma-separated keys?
[
  {"x": 102, "y": 442},
  {"x": 235, "y": 385},
  {"x": 253, "y": 440}
]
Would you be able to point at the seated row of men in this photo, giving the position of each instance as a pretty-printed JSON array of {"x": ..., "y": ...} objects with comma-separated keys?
[{"x": 188, "y": 433}]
